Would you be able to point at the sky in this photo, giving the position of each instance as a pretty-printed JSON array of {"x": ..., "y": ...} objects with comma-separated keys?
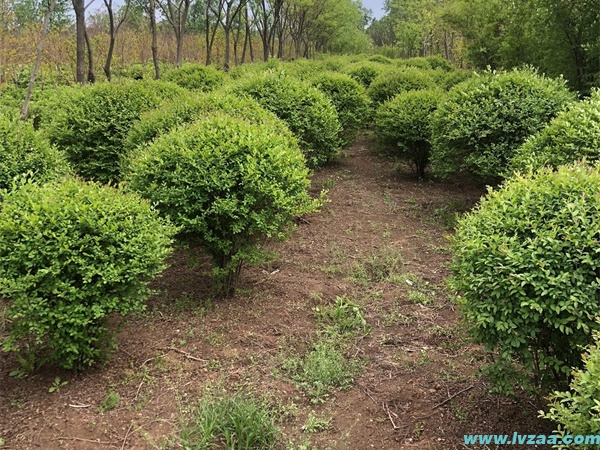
[{"x": 376, "y": 6}]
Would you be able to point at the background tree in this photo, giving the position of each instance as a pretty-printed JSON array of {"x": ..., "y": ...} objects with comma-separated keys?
[
  {"x": 114, "y": 25},
  {"x": 176, "y": 13}
]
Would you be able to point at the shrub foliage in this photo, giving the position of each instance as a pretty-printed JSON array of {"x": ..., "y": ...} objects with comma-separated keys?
[
  {"x": 389, "y": 84},
  {"x": 91, "y": 122},
  {"x": 23, "y": 150},
  {"x": 526, "y": 262},
  {"x": 484, "y": 120},
  {"x": 308, "y": 113},
  {"x": 71, "y": 253},
  {"x": 572, "y": 135},
  {"x": 191, "y": 108},
  {"x": 349, "y": 99},
  {"x": 577, "y": 410},
  {"x": 228, "y": 182},
  {"x": 365, "y": 72},
  {"x": 196, "y": 77},
  {"x": 404, "y": 125}
]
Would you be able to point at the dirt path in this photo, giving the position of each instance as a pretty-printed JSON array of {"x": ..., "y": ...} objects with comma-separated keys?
[{"x": 380, "y": 241}]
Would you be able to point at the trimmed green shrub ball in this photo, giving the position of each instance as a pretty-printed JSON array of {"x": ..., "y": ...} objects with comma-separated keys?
[
  {"x": 380, "y": 59},
  {"x": 91, "y": 122},
  {"x": 196, "y": 77},
  {"x": 577, "y": 410},
  {"x": 23, "y": 151},
  {"x": 403, "y": 124},
  {"x": 72, "y": 253},
  {"x": 482, "y": 121},
  {"x": 227, "y": 182},
  {"x": 306, "y": 110},
  {"x": 439, "y": 63},
  {"x": 574, "y": 134},
  {"x": 365, "y": 71},
  {"x": 349, "y": 99},
  {"x": 191, "y": 108},
  {"x": 389, "y": 84},
  {"x": 526, "y": 263}
]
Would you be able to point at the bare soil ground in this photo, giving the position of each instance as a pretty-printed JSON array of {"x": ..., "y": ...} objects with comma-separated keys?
[{"x": 419, "y": 388}]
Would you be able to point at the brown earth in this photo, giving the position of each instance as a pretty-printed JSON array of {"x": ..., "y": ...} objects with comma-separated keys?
[{"x": 419, "y": 389}]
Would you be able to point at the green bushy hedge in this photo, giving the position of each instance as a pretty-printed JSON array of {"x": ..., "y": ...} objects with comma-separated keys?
[
  {"x": 446, "y": 80},
  {"x": 306, "y": 110},
  {"x": 380, "y": 59},
  {"x": 526, "y": 261},
  {"x": 417, "y": 62},
  {"x": 440, "y": 63},
  {"x": 191, "y": 108},
  {"x": 91, "y": 122},
  {"x": 23, "y": 150},
  {"x": 228, "y": 182},
  {"x": 485, "y": 119},
  {"x": 349, "y": 99},
  {"x": 365, "y": 71},
  {"x": 196, "y": 77},
  {"x": 391, "y": 83},
  {"x": 71, "y": 253},
  {"x": 577, "y": 410},
  {"x": 404, "y": 125},
  {"x": 572, "y": 135}
]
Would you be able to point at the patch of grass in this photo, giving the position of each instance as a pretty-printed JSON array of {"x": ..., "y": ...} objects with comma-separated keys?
[
  {"x": 419, "y": 291},
  {"x": 323, "y": 369},
  {"x": 389, "y": 201},
  {"x": 419, "y": 297},
  {"x": 382, "y": 265},
  {"x": 447, "y": 215},
  {"x": 395, "y": 316},
  {"x": 110, "y": 401},
  {"x": 339, "y": 262},
  {"x": 315, "y": 424},
  {"x": 237, "y": 421},
  {"x": 344, "y": 317}
]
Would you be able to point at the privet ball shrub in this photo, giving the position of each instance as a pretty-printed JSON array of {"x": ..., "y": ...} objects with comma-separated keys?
[
  {"x": 438, "y": 62},
  {"x": 380, "y": 59},
  {"x": 577, "y": 410},
  {"x": 71, "y": 253},
  {"x": 306, "y": 110},
  {"x": 526, "y": 263},
  {"x": 349, "y": 99},
  {"x": 574, "y": 134},
  {"x": 196, "y": 77},
  {"x": 91, "y": 122},
  {"x": 24, "y": 151},
  {"x": 191, "y": 108},
  {"x": 403, "y": 124},
  {"x": 227, "y": 182},
  {"x": 365, "y": 72},
  {"x": 418, "y": 62},
  {"x": 448, "y": 79},
  {"x": 391, "y": 83},
  {"x": 485, "y": 119}
]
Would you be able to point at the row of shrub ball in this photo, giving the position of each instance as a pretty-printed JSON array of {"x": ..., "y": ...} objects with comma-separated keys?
[{"x": 101, "y": 179}]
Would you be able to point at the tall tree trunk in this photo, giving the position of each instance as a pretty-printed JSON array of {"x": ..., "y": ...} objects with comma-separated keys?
[
  {"x": 111, "y": 42},
  {"x": 246, "y": 34},
  {"x": 154, "y": 39},
  {"x": 179, "y": 38},
  {"x": 79, "y": 8},
  {"x": 91, "y": 77},
  {"x": 113, "y": 30},
  {"x": 38, "y": 59},
  {"x": 227, "y": 50}
]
